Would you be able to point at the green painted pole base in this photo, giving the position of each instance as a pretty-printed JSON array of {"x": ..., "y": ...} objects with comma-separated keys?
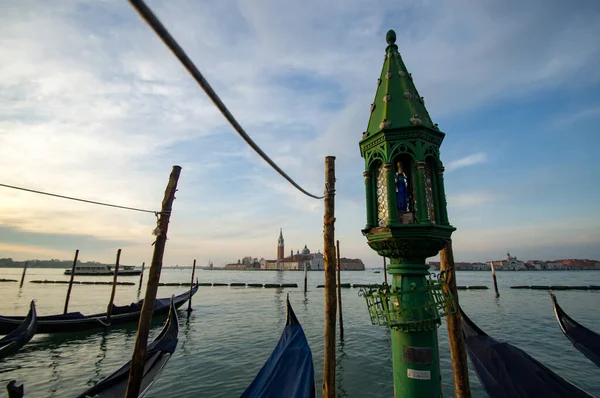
[
  {"x": 416, "y": 364},
  {"x": 415, "y": 355}
]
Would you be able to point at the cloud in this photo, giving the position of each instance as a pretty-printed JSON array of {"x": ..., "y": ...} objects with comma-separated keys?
[
  {"x": 471, "y": 199},
  {"x": 589, "y": 112},
  {"x": 467, "y": 161},
  {"x": 93, "y": 105}
]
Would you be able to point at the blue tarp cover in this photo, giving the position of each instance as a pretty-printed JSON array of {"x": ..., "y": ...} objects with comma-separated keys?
[
  {"x": 507, "y": 371},
  {"x": 289, "y": 371}
]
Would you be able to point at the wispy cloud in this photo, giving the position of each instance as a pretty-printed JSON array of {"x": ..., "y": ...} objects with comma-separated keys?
[
  {"x": 471, "y": 199},
  {"x": 470, "y": 160},
  {"x": 111, "y": 110}
]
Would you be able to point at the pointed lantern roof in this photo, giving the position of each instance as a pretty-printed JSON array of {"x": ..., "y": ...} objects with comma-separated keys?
[{"x": 397, "y": 102}]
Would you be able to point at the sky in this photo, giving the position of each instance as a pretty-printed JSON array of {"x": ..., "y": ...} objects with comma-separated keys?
[{"x": 93, "y": 105}]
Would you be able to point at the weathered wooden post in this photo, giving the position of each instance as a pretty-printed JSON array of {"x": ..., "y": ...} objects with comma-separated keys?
[
  {"x": 114, "y": 287},
  {"x": 384, "y": 272},
  {"x": 139, "y": 352},
  {"x": 494, "y": 278},
  {"x": 141, "y": 277},
  {"x": 23, "y": 276},
  {"x": 407, "y": 222},
  {"x": 189, "y": 310},
  {"x": 329, "y": 264},
  {"x": 458, "y": 351},
  {"x": 305, "y": 278},
  {"x": 71, "y": 281},
  {"x": 339, "y": 289}
]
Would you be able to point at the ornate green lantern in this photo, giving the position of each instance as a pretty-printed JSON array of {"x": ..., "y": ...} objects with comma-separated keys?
[{"x": 407, "y": 222}]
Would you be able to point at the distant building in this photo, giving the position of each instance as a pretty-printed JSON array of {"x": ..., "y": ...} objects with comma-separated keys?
[
  {"x": 240, "y": 265},
  {"x": 546, "y": 265},
  {"x": 435, "y": 265},
  {"x": 510, "y": 263},
  {"x": 304, "y": 259}
]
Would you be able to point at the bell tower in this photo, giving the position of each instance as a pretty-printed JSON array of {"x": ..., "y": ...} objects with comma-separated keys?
[
  {"x": 280, "y": 245},
  {"x": 407, "y": 222}
]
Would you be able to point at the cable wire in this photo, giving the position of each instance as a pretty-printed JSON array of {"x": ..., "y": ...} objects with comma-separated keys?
[
  {"x": 80, "y": 200},
  {"x": 170, "y": 42}
]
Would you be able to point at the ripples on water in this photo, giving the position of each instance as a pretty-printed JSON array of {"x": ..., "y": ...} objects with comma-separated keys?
[{"x": 232, "y": 331}]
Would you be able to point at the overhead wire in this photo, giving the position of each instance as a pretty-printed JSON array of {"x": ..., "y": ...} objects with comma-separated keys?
[
  {"x": 170, "y": 42},
  {"x": 80, "y": 200}
]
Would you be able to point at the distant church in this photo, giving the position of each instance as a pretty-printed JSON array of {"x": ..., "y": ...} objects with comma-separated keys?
[
  {"x": 298, "y": 261},
  {"x": 304, "y": 259}
]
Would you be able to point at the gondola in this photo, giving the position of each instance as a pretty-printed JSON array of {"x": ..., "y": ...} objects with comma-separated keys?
[
  {"x": 583, "y": 339},
  {"x": 289, "y": 371},
  {"x": 13, "y": 341},
  {"x": 157, "y": 355},
  {"x": 507, "y": 371},
  {"x": 76, "y": 321}
]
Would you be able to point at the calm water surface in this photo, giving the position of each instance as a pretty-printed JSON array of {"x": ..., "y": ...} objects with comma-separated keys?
[{"x": 232, "y": 331}]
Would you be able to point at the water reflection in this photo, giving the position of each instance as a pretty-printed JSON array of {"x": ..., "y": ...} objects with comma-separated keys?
[
  {"x": 279, "y": 304},
  {"x": 55, "y": 371},
  {"x": 339, "y": 381},
  {"x": 187, "y": 335},
  {"x": 101, "y": 355}
]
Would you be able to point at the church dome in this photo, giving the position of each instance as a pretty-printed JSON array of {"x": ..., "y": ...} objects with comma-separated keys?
[{"x": 305, "y": 250}]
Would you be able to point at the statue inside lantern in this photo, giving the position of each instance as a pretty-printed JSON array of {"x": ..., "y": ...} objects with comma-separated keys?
[
  {"x": 401, "y": 189},
  {"x": 403, "y": 195}
]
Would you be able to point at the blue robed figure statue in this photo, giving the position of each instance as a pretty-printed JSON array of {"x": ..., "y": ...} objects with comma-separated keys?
[{"x": 402, "y": 194}]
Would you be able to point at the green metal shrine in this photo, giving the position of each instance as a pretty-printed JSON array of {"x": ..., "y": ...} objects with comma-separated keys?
[{"x": 407, "y": 222}]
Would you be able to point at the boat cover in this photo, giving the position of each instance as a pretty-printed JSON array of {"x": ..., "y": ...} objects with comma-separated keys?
[
  {"x": 507, "y": 371},
  {"x": 289, "y": 371},
  {"x": 583, "y": 339}
]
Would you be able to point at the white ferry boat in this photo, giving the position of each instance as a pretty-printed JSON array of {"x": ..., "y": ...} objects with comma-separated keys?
[{"x": 102, "y": 269}]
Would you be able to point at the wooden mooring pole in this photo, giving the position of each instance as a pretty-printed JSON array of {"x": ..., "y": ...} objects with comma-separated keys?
[
  {"x": 141, "y": 277},
  {"x": 71, "y": 281},
  {"x": 189, "y": 310},
  {"x": 114, "y": 287},
  {"x": 329, "y": 263},
  {"x": 494, "y": 278},
  {"x": 339, "y": 289},
  {"x": 23, "y": 276},
  {"x": 305, "y": 278},
  {"x": 455, "y": 334},
  {"x": 384, "y": 271},
  {"x": 139, "y": 352}
]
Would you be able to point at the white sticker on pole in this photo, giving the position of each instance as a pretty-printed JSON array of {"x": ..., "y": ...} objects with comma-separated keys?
[{"x": 419, "y": 374}]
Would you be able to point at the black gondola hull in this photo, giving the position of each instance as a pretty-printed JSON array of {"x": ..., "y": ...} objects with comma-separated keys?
[
  {"x": 77, "y": 322},
  {"x": 158, "y": 354},
  {"x": 507, "y": 371},
  {"x": 582, "y": 338},
  {"x": 21, "y": 335}
]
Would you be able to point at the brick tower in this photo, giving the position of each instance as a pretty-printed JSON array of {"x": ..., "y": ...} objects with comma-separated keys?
[{"x": 280, "y": 246}]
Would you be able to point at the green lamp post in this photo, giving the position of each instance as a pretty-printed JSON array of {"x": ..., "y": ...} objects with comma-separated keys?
[{"x": 407, "y": 222}]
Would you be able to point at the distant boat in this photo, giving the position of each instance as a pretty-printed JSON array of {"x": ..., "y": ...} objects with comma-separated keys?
[
  {"x": 586, "y": 341},
  {"x": 507, "y": 371},
  {"x": 376, "y": 272},
  {"x": 76, "y": 321},
  {"x": 289, "y": 371},
  {"x": 103, "y": 269},
  {"x": 13, "y": 341},
  {"x": 157, "y": 356}
]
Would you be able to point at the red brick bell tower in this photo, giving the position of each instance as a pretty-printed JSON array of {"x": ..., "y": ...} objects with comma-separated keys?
[{"x": 280, "y": 246}]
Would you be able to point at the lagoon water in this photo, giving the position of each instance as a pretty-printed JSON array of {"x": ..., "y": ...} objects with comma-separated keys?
[{"x": 232, "y": 331}]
